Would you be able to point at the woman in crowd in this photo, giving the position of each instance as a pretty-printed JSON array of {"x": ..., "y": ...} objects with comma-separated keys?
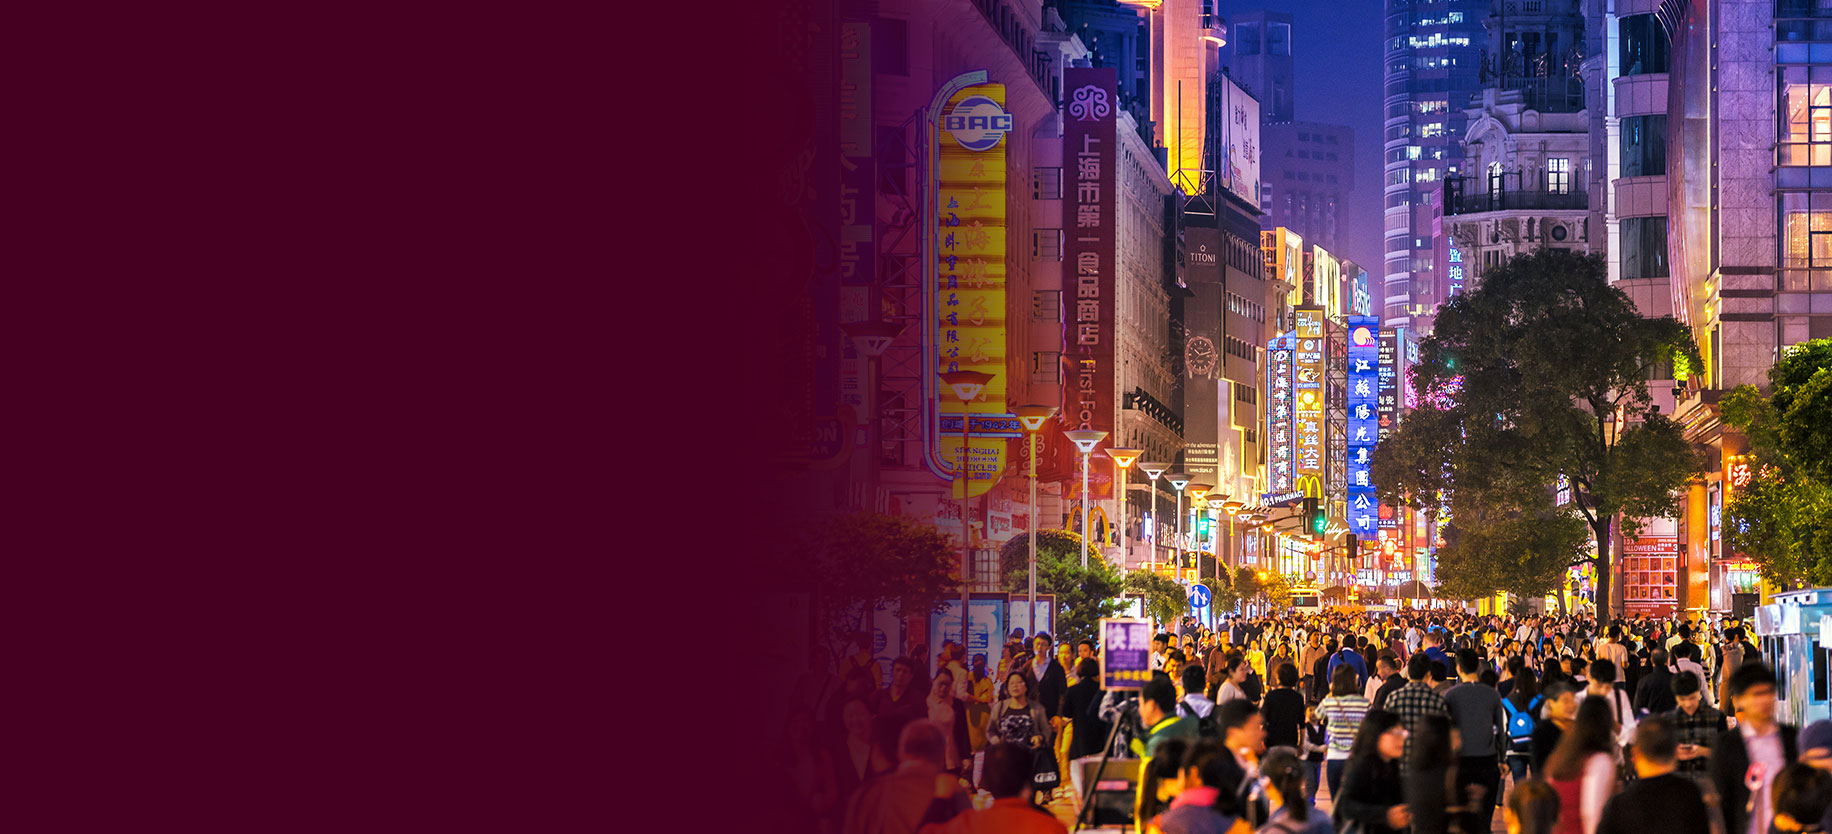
[
  {"x": 1521, "y": 698},
  {"x": 1431, "y": 778},
  {"x": 1532, "y": 808},
  {"x": 1343, "y": 713},
  {"x": 1373, "y": 794},
  {"x": 1208, "y": 804},
  {"x": 950, "y": 713},
  {"x": 1283, "y": 776},
  {"x": 1583, "y": 768},
  {"x": 1017, "y": 719},
  {"x": 1162, "y": 779}
]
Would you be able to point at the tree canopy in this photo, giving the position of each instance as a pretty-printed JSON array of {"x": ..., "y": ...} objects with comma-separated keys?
[
  {"x": 1539, "y": 371},
  {"x": 1782, "y": 517},
  {"x": 865, "y": 557},
  {"x": 1083, "y": 596}
]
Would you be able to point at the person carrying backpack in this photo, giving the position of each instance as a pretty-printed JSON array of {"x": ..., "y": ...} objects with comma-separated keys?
[
  {"x": 1522, "y": 706},
  {"x": 1196, "y": 704}
]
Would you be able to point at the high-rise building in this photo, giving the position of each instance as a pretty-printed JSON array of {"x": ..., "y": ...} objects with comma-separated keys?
[
  {"x": 1259, "y": 58},
  {"x": 1309, "y": 172},
  {"x": 1433, "y": 66}
]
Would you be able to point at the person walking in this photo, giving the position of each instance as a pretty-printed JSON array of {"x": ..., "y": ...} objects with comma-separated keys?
[
  {"x": 1283, "y": 775},
  {"x": 1654, "y": 694},
  {"x": 1019, "y": 720},
  {"x": 1342, "y": 713},
  {"x": 1482, "y": 725},
  {"x": 1080, "y": 704},
  {"x": 1207, "y": 804},
  {"x": 1416, "y": 699},
  {"x": 898, "y": 801},
  {"x": 1283, "y": 709},
  {"x": 1560, "y": 710},
  {"x": 1373, "y": 794},
  {"x": 1659, "y": 799},
  {"x": 950, "y": 714},
  {"x": 1005, "y": 774},
  {"x": 1698, "y": 725},
  {"x": 1583, "y": 768},
  {"x": 1745, "y": 759},
  {"x": 1522, "y": 707}
]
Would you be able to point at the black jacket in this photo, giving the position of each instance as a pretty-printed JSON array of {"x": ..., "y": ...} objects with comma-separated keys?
[
  {"x": 1081, "y": 703},
  {"x": 1392, "y": 685},
  {"x": 1283, "y": 712},
  {"x": 1729, "y": 764},
  {"x": 1669, "y": 804},
  {"x": 1050, "y": 690},
  {"x": 1655, "y": 694},
  {"x": 1369, "y": 788}
]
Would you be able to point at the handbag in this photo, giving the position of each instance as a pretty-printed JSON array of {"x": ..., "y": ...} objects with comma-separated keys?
[{"x": 1044, "y": 773}]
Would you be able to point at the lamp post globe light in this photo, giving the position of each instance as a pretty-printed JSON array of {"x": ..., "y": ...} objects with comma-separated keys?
[
  {"x": 1153, "y": 469},
  {"x": 1085, "y": 440},
  {"x": 1233, "y": 509},
  {"x": 1122, "y": 460},
  {"x": 871, "y": 339},
  {"x": 967, "y": 386},
  {"x": 1216, "y": 502},
  {"x": 1032, "y": 417}
]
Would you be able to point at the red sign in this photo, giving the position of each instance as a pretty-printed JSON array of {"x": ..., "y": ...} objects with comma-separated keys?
[
  {"x": 1090, "y": 224},
  {"x": 1740, "y": 474}
]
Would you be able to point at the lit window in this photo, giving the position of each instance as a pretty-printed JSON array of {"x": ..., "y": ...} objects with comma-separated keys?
[
  {"x": 1558, "y": 175},
  {"x": 1806, "y": 126},
  {"x": 1806, "y": 222},
  {"x": 1412, "y": 152}
]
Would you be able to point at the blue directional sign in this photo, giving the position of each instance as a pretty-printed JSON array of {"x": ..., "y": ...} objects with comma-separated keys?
[{"x": 1199, "y": 596}]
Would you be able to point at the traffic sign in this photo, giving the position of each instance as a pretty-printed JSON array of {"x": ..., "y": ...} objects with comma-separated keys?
[{"x": 1199, "y": 596}]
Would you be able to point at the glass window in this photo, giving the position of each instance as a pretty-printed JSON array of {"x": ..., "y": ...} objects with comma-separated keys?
[
  {"x": 1278, "y": 39},
  {"x": 1806, "y": 229},
  {"x": 1246, "y": 39},
  {"x": 1644, "y": 145},
  {"x": 1806, "y": 115},
  {"x": 1643, "y": 45},
  {"x": 1644, "y": 247},
  {"x": 1558, "y": 175}
]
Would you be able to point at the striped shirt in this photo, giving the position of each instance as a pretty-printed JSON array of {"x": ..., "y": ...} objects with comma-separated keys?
[{"x": 1342, "y": 716}]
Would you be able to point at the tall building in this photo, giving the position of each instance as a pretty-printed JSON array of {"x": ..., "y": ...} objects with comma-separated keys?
[
  {"x": 1433, "y": 65},
  {"x": 1185, "y": 37},
  {"x": 1309, "y": 166},
  {"x": 1747, "y": 99},
  {"x": 1259, "y": 57},
  {"x": 1116, "y": 36},
  {"x": 1309, "y": 172}
]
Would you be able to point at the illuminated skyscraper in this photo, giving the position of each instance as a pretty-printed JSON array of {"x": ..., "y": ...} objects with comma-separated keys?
[{"x": 1433, "y": 67}]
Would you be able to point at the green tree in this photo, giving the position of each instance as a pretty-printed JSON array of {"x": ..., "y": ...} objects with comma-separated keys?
[
  {"x": 1165, "y": 598},
  {"x": 1277, "y": 590},
  {"x": 1246, "y": 584},
  {"x": 1222, "y": 597},
  {"x": 1783, "y": 517},
  {"x": 1523, "y": 548},
  {"x": 865, "y": 557},
  {"x": 1083, "y": 596},
  {"x": 1543, "y": 370}
]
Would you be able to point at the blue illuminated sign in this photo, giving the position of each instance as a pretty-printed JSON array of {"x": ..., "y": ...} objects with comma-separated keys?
[{"x": 1363, "y": 425}]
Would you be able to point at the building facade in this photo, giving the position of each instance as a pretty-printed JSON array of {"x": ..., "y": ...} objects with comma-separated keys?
[{"x": 1434, "y": 55}]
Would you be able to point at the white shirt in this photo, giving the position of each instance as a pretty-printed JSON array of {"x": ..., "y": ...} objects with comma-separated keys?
[{"x": 1766, "y": 755}]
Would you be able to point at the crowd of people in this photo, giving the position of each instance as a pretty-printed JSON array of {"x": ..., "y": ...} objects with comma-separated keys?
[{"x": 1338, "y": 723}]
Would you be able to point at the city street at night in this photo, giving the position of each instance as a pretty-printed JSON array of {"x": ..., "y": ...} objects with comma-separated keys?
[{"x": 1311, "y": 417}]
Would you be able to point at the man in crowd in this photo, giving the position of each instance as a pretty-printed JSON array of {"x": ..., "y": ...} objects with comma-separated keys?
[
  {"x": 1744, "y": 760},
  {"x": 1347, "y": 656},
  {"x": 896, "y": 802},
  {"x": 1416, "y": 699},
  {"x": 1654, "y": 694},
  {"x": 1006, "y": 774},
  {"x": 1659, "y": 799},
  {"x": 1603, "y": 685},
  {"x": 1390, "y": 680},
  {"x": 903, "y": 696},
  {"x": 1476, "y": 712}
]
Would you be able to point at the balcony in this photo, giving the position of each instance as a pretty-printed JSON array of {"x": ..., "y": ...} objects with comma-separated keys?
[{"x": 1458, "y": 201}]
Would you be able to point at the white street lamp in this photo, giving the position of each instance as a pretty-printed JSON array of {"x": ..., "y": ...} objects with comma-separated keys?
[
  {"x": 967, "y": 386},
  {"x": 1033, "y": 417},
  {"x": 1122, "y": 459},
  {"x": 1153, "y": 469},
  {"x": 1085, "y": 440}
]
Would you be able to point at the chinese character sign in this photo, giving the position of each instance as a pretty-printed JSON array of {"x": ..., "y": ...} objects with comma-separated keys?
[
  {"x": 1307, "y": 392},
  {"x": 1089, "y": 142},
  {"x": 1455, "y": 271},
  {"x": 1279, "y": 367},
  {"x": 1363, "y": 405},
  {"x": 970, "y": 250},
  {"x": 1125, "y": 653}
]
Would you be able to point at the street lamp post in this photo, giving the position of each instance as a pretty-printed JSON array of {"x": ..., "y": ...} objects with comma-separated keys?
[
  {"x": 872, "y": 339},
  {"x": 1085, "y": 440},
  {"x": 967, "y": 386},
  {"x": 1033, "y": 417},
  {"x": 1122, "y": 460},
  {"x": 1153, "y": 469},
  {"x": 1233, "y": 508},
  {"x": 1178, "y": 480},
  {"x": 1198, "y": 492}
]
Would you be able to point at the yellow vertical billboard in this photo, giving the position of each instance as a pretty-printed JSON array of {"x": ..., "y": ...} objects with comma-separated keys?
[
  {"x": 970, "y": 293},
  {"x": 1307, "y": 391}
]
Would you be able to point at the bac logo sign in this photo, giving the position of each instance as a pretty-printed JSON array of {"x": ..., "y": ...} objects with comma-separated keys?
[{"x": 978, "y": 123}]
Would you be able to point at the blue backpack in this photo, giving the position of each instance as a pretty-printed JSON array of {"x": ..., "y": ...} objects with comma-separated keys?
[{"x": 1520, "y": 721}]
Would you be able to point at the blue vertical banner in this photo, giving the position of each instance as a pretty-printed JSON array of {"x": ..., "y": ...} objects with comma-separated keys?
[
  {"x": 1363, "y": 403},
  {"x": 1279, "y": 352}
]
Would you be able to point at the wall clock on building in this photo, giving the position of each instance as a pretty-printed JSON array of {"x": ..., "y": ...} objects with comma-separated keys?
[{"x": 1200, "y": 356}]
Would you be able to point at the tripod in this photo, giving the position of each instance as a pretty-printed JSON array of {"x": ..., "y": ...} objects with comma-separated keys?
[{"x": 1087, "y": 801}]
